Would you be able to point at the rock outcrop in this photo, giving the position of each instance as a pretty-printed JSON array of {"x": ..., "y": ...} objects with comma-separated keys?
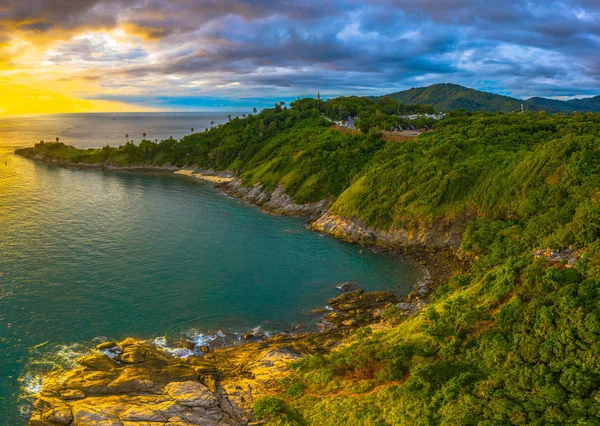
[
  {"x": 275, "y": 202},
  {"x": 134, "y": 382},
  {"x": 439, "y": 234}
]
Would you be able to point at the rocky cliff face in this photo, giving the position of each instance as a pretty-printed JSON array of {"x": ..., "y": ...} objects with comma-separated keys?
[
  {"x": 437, "y": 235},
  {"x": 276, "y": 202}
]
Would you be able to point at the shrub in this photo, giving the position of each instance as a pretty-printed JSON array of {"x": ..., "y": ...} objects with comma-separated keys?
[
  {"x": 267, "y": 406},
  {"x": 295, "y": 389}
]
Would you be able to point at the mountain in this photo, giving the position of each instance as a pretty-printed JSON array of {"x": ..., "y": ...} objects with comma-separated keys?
[
  {"x": 552, "y": 105},
  {"x": 449, "y": 97}
]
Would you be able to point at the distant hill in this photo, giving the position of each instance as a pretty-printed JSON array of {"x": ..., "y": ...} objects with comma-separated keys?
[
  {"x": 450, "y": 97},
  {"x": 552, "y": 105}
]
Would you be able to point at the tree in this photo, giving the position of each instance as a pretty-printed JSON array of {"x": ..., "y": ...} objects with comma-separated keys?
[
  {"x": 212, "y": 123},
  {"x": 229, "y": 117},
  {"x": 254, "y": 110},
  {"x": 57, "y": 139},
  {"x": 144, "y": 134},
  {"x": 127, "y": 137},
  {"x": 192, "y": 130}
]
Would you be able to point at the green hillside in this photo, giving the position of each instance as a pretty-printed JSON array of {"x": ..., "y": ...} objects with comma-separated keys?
[
  {"x": 582, "y": 105},
  {"x": 450, "y": 97}
]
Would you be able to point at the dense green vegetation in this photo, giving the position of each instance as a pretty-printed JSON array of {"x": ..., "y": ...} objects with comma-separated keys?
[
  {"x": 514, "y": 340},
  {"x": 371, "y": 114},
  {"x": 451, "y": 97}
]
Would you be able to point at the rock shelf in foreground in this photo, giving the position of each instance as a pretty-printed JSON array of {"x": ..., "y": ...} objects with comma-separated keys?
[{"x": 134, "y": 382}]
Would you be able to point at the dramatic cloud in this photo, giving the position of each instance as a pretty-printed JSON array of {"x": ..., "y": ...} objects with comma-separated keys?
[{"x": 190, "y": 53}]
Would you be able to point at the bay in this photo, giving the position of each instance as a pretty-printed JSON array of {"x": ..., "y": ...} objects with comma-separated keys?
[{"x": 89, "y": 255}]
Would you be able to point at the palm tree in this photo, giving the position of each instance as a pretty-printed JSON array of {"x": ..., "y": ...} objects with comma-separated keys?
[
  {"x": 206, "y": 129},
  {"x": 57, "y": 139},
  {"x": 243, "y": 115},
  {"x": 144, "y": 134},
  {"x": 212, "y": 123},
  {"x": 229, "y": 117},
  {"x": 127, "y": 137},
  {"x": 192, "y": 129},
  {"x": 255, "y": 110}
]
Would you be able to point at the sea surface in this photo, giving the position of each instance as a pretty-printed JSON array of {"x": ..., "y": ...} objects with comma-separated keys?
[{"x": 87, "y": 255}]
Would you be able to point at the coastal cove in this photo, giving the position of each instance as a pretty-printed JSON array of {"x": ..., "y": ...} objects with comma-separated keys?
[{"x": 162, "y": 255}]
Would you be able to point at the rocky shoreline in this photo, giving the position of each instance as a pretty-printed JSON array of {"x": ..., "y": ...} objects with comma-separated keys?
[
  {"x": 275, "y": 202},
  {"x": 135, "y": 382},
  {"x": 439, "y": 235}
]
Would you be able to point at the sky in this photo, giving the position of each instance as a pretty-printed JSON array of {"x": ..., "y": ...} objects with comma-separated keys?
[{"x": 148, "y": 55}]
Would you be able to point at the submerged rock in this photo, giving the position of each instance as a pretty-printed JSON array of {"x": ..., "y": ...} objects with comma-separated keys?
[{"x": 345, "y": 286}]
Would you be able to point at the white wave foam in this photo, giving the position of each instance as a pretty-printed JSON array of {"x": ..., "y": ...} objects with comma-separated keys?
[{"x": 32, "y": 383}]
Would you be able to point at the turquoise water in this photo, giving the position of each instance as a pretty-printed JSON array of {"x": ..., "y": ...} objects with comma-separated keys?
[{"x": 87, "y": 255}]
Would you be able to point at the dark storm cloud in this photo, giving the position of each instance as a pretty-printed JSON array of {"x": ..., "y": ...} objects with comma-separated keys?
[{"x": 519, "y": 47}]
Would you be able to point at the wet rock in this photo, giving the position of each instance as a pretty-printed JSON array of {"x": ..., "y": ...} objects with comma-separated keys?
[
  {"x": 248, "y": 336},
  {"x": 111, "y": 346},
  {"x": 204, "y": 349},
  {"x": 318, "y": 311},
  {"x": 350, "y": 322},
  {"x": 132, "y": 355},
  {"x": 188, "y": 344},
  {"x": 345, "y": 286}
]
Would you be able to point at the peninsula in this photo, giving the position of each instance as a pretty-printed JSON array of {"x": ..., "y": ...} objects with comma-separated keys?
[{"x": 510, "y": 337}]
